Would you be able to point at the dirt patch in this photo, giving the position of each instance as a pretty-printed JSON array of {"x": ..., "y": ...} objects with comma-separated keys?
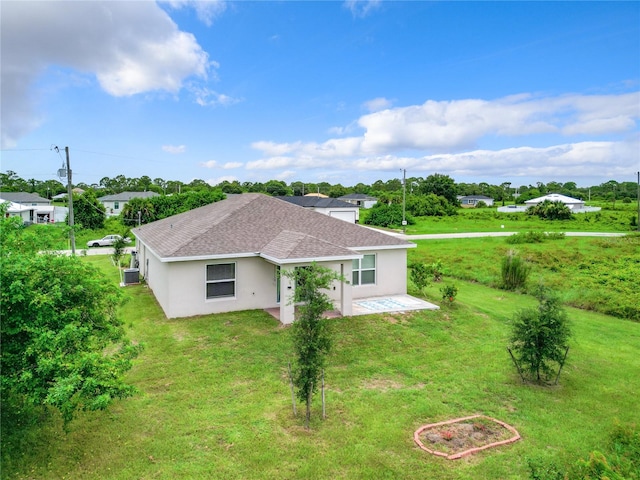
[
  {"x": 457, "y": 438},
  {"x": 382, "y": 384}
]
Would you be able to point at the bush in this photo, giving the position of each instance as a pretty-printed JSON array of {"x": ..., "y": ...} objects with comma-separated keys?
[
  {"x": 449, "y": 293},
  {"x": 515, "y": 271},
  {"x": 549, "y": 210},
  {"x": 420, "y": 275},
  {"x": 383, "y": 215}
]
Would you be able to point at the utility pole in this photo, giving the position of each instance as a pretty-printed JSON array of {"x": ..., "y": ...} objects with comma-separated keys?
[
  {"x": 404, "y": 200},
  {"x": 72, "y": 235}
]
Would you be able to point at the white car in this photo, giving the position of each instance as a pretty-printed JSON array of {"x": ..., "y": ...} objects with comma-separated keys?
[{"x": 107, "y": 241}]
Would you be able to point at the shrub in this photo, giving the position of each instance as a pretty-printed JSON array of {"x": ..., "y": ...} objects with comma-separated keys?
[
  {"x": 481, "y": 204},
  {"x": 549, "y": 210},
  {"x": 437, "y": 270},
  {"x": 449, "y": 293},
  {"x": 420, "y": 275},
  {"x": 383, "y": 215},
  {"x": 515, "y": 271}
]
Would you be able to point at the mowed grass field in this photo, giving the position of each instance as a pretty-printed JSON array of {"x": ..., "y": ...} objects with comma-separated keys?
[{"x": 215, "y": 403}]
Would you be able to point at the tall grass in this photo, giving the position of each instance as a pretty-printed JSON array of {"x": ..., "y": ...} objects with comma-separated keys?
[{"x": 515, "y": 271}]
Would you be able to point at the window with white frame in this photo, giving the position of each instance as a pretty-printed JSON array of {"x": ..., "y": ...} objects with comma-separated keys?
[
  {"x": 221, "y": 280},
  {"x": 364, "y": 270}
]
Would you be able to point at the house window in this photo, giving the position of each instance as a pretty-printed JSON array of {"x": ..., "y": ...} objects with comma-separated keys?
[
  {"x": 221, "y": 280},
  {"x": 364, "y": 271},
  {"x": 116, "y": 205}
]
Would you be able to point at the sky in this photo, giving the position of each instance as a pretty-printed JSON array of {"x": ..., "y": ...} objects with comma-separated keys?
[{"x": 342, "y": 92}]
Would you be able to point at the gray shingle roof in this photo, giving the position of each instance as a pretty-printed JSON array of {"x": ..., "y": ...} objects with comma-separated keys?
[
  {"x": 23, "y": 197},
  {"x": 318, "y": 202},
  {"x": 256, "y": 224}
]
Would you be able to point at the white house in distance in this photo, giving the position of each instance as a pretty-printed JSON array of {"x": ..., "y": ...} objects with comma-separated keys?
[
  {"x": 470, "y": 201},
  {"x": 574, "y": 204},
  {"x": 114, "y": 204},
  {"x": 329, "y": 206},
  {"x": 231, "y": 256},
  {"x": 31, "y": 207},
  {"x": 359, "y": 199}
]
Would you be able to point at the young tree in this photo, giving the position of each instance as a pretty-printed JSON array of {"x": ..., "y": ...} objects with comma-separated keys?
[
  {"x": 310, "y": 332},
  {"x": 540, "y": 337},
  {"x": 62, "y": 343}
]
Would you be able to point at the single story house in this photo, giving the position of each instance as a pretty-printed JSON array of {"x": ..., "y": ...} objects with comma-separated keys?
[
  {"x": 25, "y": 198},
  {"x": 114, "y": 204},
  {"x": 31, "y": 207},
  {"x": 359, "y": 199},
  {"x": 572, "y": 203},
  {"x": 470, "y": 201},
  {"x": 232, "y": 255},
  {"x": 329, "y": 206}
]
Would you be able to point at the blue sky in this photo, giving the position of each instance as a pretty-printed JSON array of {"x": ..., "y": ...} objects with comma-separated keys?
[{"x": 343, "y": 92}]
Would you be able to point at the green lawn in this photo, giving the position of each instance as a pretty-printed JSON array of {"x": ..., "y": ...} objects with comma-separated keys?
[{"x": 214, "y": 399}]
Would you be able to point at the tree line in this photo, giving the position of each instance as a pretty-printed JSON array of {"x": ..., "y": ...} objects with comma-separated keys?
[{"x": 387, "y": 191}]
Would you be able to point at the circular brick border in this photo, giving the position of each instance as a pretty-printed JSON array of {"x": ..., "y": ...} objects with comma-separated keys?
[{"x": 455, "y": 456}]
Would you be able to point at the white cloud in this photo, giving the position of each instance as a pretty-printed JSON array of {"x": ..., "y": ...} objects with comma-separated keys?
[
  {"x": 207, "y": 98},
  {"x": 207, "y": 10},
  {"x": 130, "y": 47},
  {"x": 174, "y": 149},
  {"x": 458, "y": 125},
  {"x": 231, "y": 165},
  {"x": 377, "y": 104},
  {"x": 209, "y": 164},
  {"x": 361, "y": 8},
  {"x": 581, "y": 159}
]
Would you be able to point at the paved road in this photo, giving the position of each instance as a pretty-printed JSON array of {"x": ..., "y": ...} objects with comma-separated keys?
[{"x": 96, "y": 251}]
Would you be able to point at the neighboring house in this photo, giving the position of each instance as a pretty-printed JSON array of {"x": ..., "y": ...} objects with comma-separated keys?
[
  {"x": 231, "y": 255},
  {"x": 114, "y": 204},
  {"x": 329, "y": 206},
  {"x": 63, "y": 196},
  {"x": 30, "y": 206},
  {"x": 572, "y": 203},
  {"x": 470, "y": 201},
  {"x": 359, "y": 199},
  {"x": 25, "y": 198}
]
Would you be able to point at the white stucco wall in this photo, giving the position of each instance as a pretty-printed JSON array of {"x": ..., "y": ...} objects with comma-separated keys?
[
  {"x": 391, "y": 274},
  {"x": 180, "y": 287}
]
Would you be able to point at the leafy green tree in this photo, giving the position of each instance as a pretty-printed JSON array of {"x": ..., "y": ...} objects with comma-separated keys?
[
  {"x": 540, "y": 336},
  {"x": 88, "y": 211},
  {"x": 310, "y": 331},
  {"x": 276, "y": 188},
  {"x": 439, "y": 184},
  {"x": 62, "y": 343},
  {"x": 430, "y": 205}
]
